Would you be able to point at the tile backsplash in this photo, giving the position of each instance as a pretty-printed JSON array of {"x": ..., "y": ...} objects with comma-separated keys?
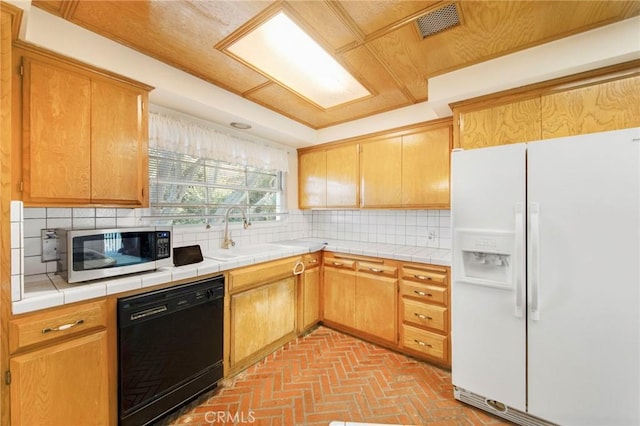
[{"x": 421, "y": 228}]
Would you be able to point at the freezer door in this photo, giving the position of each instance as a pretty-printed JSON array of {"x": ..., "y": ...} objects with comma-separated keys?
[
  {"x": 584, "y": 279},
  {"x": 488, "y": 333}
]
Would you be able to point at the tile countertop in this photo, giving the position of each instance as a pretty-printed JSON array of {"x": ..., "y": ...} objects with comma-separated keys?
[{"x": 45, "y": 291}]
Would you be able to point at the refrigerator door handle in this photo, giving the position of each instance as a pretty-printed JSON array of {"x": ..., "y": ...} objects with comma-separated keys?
[
  {"x": 534, "y": 262},
  {"x": 518, "y": 262}
]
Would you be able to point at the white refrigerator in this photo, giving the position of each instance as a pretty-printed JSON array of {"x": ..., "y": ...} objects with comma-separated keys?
[{"x": 546, "y": 279}]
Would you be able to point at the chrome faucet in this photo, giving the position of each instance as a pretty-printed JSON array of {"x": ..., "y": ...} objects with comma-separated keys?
[{"x": 228, "y": 242}]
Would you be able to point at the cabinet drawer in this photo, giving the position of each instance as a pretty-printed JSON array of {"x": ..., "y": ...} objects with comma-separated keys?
[
  {"x": 424, "y": 292},
  {"x": 377, "y": 269},
  {"x": 430, "y": 276},
  {"x": 423, "y": 341},
  {"x": 262, "y": 273},
  {"x": 425, "y": 315},
  {"x": 312, "y": 260},
  {"x": 336, "y": 262},
  {"x": 50, "y": 326}
]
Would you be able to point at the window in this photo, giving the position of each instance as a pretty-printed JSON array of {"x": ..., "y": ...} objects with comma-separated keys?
[{"x": 186, "y": 189}]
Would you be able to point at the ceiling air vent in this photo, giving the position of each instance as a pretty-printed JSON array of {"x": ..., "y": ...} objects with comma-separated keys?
[{"x": 438, "y": 20}]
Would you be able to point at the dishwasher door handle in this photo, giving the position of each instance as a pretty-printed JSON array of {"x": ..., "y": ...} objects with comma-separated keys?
[{"x": 148, "y": 312}]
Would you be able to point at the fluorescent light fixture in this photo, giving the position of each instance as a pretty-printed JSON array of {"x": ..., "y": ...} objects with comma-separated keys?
[{"x": 284, "y": 52}]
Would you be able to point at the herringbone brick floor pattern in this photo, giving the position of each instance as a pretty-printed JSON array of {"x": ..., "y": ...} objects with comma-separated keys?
[{"x": 328, "y": 376}]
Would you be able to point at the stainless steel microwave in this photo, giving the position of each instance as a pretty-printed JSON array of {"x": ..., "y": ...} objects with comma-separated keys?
[{"x": 89, "y": 254}]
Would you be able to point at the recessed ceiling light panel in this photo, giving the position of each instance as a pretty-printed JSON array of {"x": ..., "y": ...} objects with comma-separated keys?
[{"x": 283, "y": 51}]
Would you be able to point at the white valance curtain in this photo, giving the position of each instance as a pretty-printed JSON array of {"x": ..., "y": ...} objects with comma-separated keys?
[{"x": 175, "y": 134}]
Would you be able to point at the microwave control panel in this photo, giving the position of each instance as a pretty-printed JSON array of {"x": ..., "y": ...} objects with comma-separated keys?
[{"x": 163, "y": 245}]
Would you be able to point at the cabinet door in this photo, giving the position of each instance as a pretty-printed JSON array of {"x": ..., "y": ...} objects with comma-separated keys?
[
  {"x": 339, "y": 296},
  {"x": 425, "y": 168},
  {"x": 598, "y": 108},
  {"x": 260, "y": 317},
  {"x": 62, "y": 384},
  {"x": 342, "y": 176},
  {"x": 118, "y": 167},
  {"x": 381, "y": 173},
  {"x": 311, "y": 297},
  {"x": 56, "y": 134},
  {"x": 504, "y": 124},
  {"x": 376, "y": 306},
  {"x": 312, "y": 179}
]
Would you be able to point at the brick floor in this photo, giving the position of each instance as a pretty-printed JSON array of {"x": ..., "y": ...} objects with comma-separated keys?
[{"x": 328, "y": 376}]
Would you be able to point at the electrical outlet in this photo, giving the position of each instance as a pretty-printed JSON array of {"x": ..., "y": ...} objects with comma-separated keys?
[{"x": 431, "y": 235}]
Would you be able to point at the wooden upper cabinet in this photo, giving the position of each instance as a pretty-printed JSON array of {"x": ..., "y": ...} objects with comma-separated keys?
[
  {"x": 328, "y": 177},
  {"x": 56, "y": 134},
  {"x": 381, "y": 173},
  {"x": 312, "y": 179},
  {"x": 84, "y": 134},
  {"x": 401, "y": 168},
  {"x": 342, "y": 176},
  {"x": 425, "y": 168},
  {"x": 594, "y": 101},
  {"x": 500, "y": 125},
  {"x": 607, "y": 106},
  {"x": 119, "y": 165},
  {"x": 409, "y": 171}
]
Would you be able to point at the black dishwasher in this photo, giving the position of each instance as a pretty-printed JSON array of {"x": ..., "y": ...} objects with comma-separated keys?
[{"x": 169, "y": 348}]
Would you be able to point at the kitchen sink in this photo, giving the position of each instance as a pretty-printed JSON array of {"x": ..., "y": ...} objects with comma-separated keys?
[{"x": 226, "y": 255}]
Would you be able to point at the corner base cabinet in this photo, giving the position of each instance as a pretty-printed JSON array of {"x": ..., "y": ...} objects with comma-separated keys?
[{"x": 400, "y": 305}]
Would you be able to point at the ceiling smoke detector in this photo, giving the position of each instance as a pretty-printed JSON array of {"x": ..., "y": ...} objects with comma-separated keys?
[{"x": 438, "y": 20}]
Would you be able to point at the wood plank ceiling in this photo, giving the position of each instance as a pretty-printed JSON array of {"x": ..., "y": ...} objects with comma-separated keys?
[{"x": 378, "y": 41}]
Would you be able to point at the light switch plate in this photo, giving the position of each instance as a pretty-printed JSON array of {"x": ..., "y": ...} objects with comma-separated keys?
[{"x": 49, "y": 245}]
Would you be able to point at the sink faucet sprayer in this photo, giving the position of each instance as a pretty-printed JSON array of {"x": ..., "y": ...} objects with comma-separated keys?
[{"x": 228, "y": 242}]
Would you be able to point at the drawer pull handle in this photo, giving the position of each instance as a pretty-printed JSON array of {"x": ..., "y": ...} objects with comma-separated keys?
[
  {"x": 375, "y": 270},
  {"x": 422, "y": 293},
  {"x": 421, "y": 343},
  {"x": 337, "y": 264},
  {"x": 62, "y": 327},
  {"x": 422, "y": 316},
  {"x": 422, "y": 277},
  {"x": 313, "y": 261}
]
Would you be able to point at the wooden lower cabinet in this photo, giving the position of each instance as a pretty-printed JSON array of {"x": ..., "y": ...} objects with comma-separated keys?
[
  {"x": 376, "y": 301},
  {"x": 63, "y": 384},
  {"x": 360, "y": 294},
  {"x": 424, "y": 312},
  {"x": 339, "y": 294},
  {"x": 309, "y": 298},
  {"x": 260, "y": 318},
  {"x": 403, "y": 306},
  {"x": 60, "y": 366}
]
